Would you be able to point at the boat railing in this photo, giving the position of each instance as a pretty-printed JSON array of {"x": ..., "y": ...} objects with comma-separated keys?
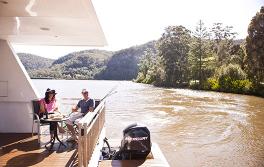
[
  {"x": 90, "y": 128},
  {"x": 66, "y": 104}
]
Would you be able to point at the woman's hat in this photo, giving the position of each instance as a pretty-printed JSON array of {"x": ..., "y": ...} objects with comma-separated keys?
[{"x": 51, "y": 91}]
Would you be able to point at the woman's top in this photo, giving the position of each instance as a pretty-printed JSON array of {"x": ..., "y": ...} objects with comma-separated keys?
[{"x": 50, "y": 106}]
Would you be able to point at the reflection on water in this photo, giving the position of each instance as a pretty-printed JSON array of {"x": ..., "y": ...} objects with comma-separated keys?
[{"x": 193, "y": 128}]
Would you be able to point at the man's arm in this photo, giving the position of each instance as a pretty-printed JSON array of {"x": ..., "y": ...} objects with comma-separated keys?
[
  {"x": 76, "y": 107},
  {"x": 91, "y": 108}
]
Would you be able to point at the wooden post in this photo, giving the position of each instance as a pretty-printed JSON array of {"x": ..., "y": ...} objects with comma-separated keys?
[
  {"x": 80, "y": 148},
  {"x": 85, "y": 157},
  {"x": 89, "y": 145}
]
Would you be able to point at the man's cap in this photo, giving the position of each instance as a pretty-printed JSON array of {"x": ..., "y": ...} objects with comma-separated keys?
[{"x": 84, "y": 91}]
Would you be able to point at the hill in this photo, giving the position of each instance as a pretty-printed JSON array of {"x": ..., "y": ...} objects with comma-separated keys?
[
  {"x": 34, "y": 62},
  {"x": 77, "y": 65},
  {"x": 88, "y": 64},
  {"x": 123, "y": 65}
]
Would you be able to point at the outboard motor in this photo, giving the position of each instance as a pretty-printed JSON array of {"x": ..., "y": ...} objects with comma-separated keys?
[{"x": 136, "y": 143}]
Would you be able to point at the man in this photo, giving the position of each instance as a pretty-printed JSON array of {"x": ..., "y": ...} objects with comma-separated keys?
[{"x": 86, "y": 105}]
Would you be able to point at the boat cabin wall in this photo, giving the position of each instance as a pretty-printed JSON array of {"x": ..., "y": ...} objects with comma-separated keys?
[{"x": 16, "y": 93}]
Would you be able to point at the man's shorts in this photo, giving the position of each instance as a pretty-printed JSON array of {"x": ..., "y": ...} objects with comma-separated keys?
[{"x": 74, "y": 118}]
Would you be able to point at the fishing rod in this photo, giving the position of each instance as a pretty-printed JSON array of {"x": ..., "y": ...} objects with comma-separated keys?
[{"x": 111, "y": 92}]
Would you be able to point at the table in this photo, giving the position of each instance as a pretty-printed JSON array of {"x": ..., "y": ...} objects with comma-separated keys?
[{"x": 55, "y": 122}]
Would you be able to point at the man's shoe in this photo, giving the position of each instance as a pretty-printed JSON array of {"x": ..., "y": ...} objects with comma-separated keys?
[{"x": 61, "y": 130}]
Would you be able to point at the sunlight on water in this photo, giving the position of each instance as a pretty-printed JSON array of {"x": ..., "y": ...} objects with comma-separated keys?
[{"x": 193, "y": 128}]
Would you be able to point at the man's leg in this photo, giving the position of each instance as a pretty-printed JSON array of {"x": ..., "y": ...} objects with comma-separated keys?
[
  {"x": 70, "y": 122},
  {"x": 71, "y": 129}
]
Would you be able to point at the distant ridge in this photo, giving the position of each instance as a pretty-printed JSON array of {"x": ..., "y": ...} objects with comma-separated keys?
[
  {"x": 34, "y": 62},
  {"x": 87, "y": 64}
]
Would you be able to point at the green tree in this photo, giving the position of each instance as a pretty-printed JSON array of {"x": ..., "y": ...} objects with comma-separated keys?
[
  {"x": 223, "y": 37},
  {"x": 147, "y": 67},
  {"x": 199, "y": 52},
  {"x": 237, "y": 55},
  {"x": 231, "y": 78},
  {"x": 173, "y": 48},
  {"x": 254, "y": 59}
]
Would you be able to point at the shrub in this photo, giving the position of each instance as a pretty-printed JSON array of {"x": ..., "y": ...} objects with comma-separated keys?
[
  {"x": 194, "y": 84},
  {"x": 241, "y": 86},
  {"x": 229, "y": 85},
  {"x": 212, "y": 84},
  {"x": 231, "y": 78},
  {"x": 231, "y": 71},
  {"x": 258, "y": 89},
  {"x": 140, "y": 78}
]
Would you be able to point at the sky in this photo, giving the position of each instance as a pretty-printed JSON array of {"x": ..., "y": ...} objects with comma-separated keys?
[{"x": 133, "y": 22}]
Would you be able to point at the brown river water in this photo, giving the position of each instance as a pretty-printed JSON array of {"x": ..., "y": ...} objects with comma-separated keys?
[{"x": 192, "y": 128}]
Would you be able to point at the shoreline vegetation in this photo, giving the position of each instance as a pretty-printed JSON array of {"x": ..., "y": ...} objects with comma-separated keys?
[{"x": 208, "y": 58}]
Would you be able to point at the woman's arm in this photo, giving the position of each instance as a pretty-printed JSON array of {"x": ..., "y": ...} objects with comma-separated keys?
[
  {"x": 56, "y": 106},
  {"x": 42, "y": 107}
]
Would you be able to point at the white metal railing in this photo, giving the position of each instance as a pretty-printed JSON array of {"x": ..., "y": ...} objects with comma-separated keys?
[
  {"x": 66, "y": 104},
  {"x": 90, "y": 127}
]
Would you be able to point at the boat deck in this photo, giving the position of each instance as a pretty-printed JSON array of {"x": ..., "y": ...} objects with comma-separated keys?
[
  {"x": 24, "y": 150},
  {"x": 18, "y": 150}
]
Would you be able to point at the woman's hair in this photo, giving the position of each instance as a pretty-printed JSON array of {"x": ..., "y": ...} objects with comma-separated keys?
[{"x": 48, "y": 91}]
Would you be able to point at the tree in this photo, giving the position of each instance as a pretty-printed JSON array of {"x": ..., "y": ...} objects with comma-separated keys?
[
  {"x": 254, "y": 59},
  {"x": 199, "y": 49},
  {"x": 223, "y": 37},
  {"x": 146, "y": 62},
  {"x": 237, "y": 55},
  {"x": 173, "y": 48}
]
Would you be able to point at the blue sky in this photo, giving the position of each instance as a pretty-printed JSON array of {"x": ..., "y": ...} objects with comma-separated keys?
[{"x": 133, "y": 22}]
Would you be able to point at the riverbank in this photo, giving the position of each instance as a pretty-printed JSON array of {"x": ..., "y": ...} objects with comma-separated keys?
[
  {"x": 228, "y": 85},
  {"x": 244, "y": 87}
]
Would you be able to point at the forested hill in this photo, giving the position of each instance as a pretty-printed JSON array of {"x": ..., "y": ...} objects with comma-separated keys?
[
  {"x": 88, "y": 64},
  {"x": 77, "y": 65},
  {"x": 123, "y": 65},
  {"x": 34, "y": 62}
]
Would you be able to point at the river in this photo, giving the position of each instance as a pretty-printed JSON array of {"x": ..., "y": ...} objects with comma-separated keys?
[{"x": 193, "y": 128}]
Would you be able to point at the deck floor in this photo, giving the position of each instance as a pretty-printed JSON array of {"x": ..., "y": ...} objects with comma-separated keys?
[{"x": 23, "y": 150}]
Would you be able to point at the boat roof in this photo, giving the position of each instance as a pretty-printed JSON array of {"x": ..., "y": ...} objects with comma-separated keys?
[{"x": 50, "y": 22}]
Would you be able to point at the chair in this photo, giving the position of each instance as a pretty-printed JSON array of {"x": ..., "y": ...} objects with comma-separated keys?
[
  {"x": 75, "y": 126},
  {"x": 97, "y": 102},
  {"x": 36, "y": 117}
]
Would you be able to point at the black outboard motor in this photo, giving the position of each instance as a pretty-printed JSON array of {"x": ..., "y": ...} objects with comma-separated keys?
[{"x": 136, "y": 143}]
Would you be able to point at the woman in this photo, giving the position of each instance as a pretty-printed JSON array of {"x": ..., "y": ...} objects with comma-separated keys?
[{"x": 49, "y": 105}]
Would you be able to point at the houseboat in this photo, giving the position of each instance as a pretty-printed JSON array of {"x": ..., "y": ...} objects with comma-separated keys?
[{"x": 55, "y": 23}]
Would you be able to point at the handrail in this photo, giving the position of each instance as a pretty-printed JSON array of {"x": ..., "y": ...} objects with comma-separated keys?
[
  {"x": 90, "y": 115},
  {"x": 72, "y": 98},
  {"x": 90, "y": 127}
]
